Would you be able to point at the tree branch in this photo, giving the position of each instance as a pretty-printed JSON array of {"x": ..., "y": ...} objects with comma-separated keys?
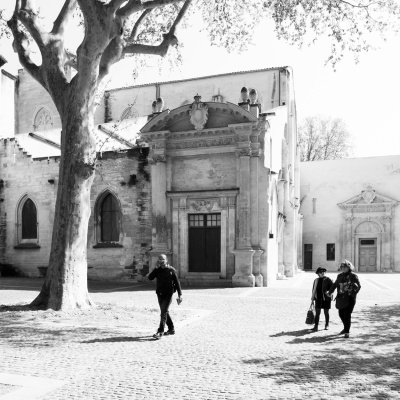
[
  {"x": 26, "y": 13},
  {"x": 111, "y": 55},
  {"x": 62, "y": 19},
  {"x": 21, "y": 47},
  {"x": 138, "y": 5},
  {"x": 88, "y": 6},
  {"x": 115, "y": 4},
  {"x": 135, "y": 28},
  {"x": 169, "y": 39}
]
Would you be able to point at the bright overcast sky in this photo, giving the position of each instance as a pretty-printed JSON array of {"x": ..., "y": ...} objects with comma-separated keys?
[{"x": 365, "y": 95}]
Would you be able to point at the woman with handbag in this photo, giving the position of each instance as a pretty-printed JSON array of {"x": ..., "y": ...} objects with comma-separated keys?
[
  {"x": 319, "y": 298},
  {"x": 347, "y": 285}
]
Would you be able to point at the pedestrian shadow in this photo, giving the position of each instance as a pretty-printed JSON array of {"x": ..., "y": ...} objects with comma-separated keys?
[
  {"x": 301, "y": 332},
  {"x": 372, "y": 355},
  {"x": 317, "y": 339},
  {"x": 121, "y": 339}
]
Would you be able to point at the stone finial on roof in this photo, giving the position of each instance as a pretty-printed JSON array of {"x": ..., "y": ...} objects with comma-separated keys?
[
  {"x": 160, "y": 104},
  {"x": 253, "y": 96},
  {"x": 244, "y": 94}
]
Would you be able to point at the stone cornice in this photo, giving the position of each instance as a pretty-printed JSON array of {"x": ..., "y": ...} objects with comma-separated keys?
[
  {"x": 206, "y": 142},
  {"x": 204, "y": 194}
]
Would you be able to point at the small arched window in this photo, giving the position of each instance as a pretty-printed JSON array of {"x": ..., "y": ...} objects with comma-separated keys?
[
  {"x": 109, "y": 219},
  {"x": 29, "y": 220}
]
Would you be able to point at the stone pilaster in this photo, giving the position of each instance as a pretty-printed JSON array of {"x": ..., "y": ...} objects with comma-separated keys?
[
  {"x": 254, "y": 207},
  {"x": 157, "y": 160},
  {"x": 244, "y": 252}
]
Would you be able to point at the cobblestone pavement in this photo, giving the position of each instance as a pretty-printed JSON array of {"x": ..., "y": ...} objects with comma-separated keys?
[{"x": 231, "y": 343}]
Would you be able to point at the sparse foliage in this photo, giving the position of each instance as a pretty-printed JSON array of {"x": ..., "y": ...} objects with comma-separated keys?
[
  {"x": 115, "y": 29},
  {"x": 324, "y": 138}
]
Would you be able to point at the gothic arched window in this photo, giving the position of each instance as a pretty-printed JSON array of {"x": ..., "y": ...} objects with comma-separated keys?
[
  {"x": 43, "y": 120},
  {"x": 109, "y": 218},
  {"x": 29, "y": 220}
]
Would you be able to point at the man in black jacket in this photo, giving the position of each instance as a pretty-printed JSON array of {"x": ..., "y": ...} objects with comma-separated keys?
[{"x": 167, "y": 284}]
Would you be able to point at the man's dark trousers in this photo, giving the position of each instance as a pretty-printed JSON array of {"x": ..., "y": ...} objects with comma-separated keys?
[{"x": 165, "y": 301}]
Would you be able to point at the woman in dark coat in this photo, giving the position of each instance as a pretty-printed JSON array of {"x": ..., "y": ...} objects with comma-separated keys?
[
  {"x": 319, "y": 297},
  {"x": 347, "y": 285}
]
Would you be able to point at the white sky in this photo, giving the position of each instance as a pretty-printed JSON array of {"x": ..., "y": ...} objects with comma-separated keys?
[{"x": 365, "y": 95}]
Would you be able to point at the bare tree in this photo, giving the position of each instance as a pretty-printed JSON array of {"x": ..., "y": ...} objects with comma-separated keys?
[
  {"x": 324, "y": 138},
  {"x": 114, "y": 29}
]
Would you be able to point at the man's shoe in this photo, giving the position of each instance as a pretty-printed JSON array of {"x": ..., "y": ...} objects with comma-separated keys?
[
  {"x": 326, "y": 327},
  {"x": 347, "y": 335},
  {"x": 315, "y": 329},
  {"x": 341, "y": 333},
  {"x": 169, "y": 332},
  {"x": 158, "y": 335}
]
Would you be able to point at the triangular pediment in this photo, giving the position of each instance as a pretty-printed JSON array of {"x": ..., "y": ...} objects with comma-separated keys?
[
  {"x": 219, "y": 115},
  {"x": 368, "y": 197}
]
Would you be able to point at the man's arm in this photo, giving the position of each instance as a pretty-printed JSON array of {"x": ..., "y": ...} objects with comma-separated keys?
[
  {"x": 153, "y": 274},
  {"x": 177, "y": 284}
]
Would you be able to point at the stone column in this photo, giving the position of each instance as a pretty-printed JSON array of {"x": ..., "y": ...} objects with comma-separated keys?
[
  {"x": 231, "y": 233},
  {"x": 224, "y": 235},
  {"x": 157, "y": 159},
  {"x": 244, "y": 252},
  {"x": 183, "y": 238},
  {"x": 175, "y": 234},
  {"x": 348, "y": 237},
  {"x": 254, "y": 219}
]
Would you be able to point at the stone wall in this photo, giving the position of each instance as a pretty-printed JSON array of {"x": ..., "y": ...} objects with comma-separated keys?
[
  {"x": 7, "y": 104},
  {"x": 214, "y": 171},
  {"x": 31, "y": 98},
  {"x": 24, "y": 176},
  {"x": 127, "y": 177},
  {"x": 270, "y": 84},
  {"x": 125, "y": 174}
]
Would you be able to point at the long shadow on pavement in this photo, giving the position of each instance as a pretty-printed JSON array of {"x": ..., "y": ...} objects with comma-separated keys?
[{"x": 370, "y": 358}]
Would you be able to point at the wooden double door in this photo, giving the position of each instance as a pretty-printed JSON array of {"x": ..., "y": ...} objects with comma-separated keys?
[
  {"x": 204, "y": 242},
  {"x": 368, "y": 255}
]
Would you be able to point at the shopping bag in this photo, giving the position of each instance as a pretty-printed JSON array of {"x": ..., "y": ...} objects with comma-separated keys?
[{"x": 310, "y": 315}]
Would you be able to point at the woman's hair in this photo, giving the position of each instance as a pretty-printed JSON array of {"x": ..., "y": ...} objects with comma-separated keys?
[{"x": 346, "y": 263}]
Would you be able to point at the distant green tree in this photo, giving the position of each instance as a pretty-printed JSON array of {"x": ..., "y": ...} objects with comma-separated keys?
[{"x": 324, "y": 138}]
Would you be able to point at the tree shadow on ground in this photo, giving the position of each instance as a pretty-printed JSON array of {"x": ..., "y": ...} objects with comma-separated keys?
[
  {"x": 25, "y": 326},
  {"x": 370, "y": 358}
]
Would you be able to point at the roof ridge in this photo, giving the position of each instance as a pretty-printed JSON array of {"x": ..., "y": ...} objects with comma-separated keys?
[{"x": 196, "y": 78}]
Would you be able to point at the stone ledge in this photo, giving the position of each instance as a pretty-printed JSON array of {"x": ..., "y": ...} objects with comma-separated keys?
[
  {"x": 26, "y": 246},
  {"x": 106, "y": 245}
]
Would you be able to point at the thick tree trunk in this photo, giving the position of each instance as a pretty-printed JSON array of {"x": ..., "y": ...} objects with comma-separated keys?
[{"x": 65, "y": 285}]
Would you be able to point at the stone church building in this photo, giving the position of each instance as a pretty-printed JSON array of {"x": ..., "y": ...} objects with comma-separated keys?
[{"x": 205, "y": 170}]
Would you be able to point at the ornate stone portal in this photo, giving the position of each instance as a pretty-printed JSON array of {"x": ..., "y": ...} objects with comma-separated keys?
[
  {"x": 368, "y": 219},
  {"x": 231, "y": 147}
]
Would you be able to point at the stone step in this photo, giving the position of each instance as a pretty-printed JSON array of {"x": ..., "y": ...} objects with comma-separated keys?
[{"x": 206, "y": 282}]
